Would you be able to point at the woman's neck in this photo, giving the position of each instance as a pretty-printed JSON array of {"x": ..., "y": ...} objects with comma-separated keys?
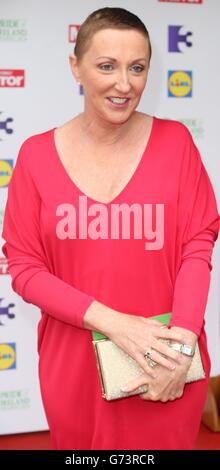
[{"x": 101, "y": 132}]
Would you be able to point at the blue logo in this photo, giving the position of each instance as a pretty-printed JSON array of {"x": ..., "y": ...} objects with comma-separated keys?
[
  {"x": 4, "y": 311},
  {"x": 175, "y": 38},
  {"x": 6, "y": 170},
  {"x": 4, "y": 125}
]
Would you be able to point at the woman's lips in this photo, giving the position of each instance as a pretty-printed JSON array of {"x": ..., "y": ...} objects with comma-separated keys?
[{"x": 118, "y": 105}]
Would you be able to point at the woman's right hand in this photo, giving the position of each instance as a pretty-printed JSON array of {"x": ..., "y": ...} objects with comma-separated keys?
[{"x": 136, "y": 335}]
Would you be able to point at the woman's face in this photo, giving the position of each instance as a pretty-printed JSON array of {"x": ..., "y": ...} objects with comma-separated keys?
[{"x": 113, "y": 72}]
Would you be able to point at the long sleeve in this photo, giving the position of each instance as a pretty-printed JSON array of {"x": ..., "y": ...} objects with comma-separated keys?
[
  {"x": 27, "y": 261},
  {"x": 198, "y": 229}
]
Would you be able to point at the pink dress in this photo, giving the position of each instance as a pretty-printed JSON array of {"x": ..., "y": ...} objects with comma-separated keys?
[{"x": 59, "y": 262}]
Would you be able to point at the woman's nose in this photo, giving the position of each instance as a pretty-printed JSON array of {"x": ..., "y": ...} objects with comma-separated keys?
[{"x": 123, "y": 82}]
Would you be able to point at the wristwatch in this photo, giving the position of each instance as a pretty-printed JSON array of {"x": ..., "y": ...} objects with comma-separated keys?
[{"x": 183, "y": 349}]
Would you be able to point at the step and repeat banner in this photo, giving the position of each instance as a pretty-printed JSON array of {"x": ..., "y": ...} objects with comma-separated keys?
[{"x": 38, "y": 92}]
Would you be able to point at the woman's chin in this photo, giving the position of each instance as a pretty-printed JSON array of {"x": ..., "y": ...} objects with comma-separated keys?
[{"x": 118, "y": 118}]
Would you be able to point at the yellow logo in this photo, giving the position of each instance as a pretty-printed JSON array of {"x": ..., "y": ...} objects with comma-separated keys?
[
  {"x": 6, "y": 169},
  {"x": 180, "y": 84},
  {"x": 7, "y": 356}
]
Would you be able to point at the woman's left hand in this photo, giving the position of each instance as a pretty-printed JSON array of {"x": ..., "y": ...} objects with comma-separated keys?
[{"x": 167, "y": 386}]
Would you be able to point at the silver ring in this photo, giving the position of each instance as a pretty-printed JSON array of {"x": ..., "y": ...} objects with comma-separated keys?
[{"x": 151, "y": 363}]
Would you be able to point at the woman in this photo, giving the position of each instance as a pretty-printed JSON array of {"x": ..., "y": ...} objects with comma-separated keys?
[{"x": 66, "y": 255}]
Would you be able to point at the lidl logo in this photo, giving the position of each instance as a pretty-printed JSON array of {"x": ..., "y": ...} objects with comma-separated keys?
[
  {"x": 6, "y": 170},
  {"x": 180, "y": 83},
  {"x": 7, "y": 356},
  {"x": 176, "y": 37}
]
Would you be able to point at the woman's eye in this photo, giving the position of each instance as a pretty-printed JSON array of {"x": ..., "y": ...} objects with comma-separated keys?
[
  {"x": 109, "y": 68},
  {"x": 138, "y": 68},
  {"x": 105, "y": 67}
]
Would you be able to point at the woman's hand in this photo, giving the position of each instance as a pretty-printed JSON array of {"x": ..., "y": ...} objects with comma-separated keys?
[
  {"x": 167, "y": 386},
  {"x": 136, "y": 335}
]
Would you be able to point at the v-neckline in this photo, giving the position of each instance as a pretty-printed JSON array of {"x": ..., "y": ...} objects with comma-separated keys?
[{"x": 121, "y": 192}]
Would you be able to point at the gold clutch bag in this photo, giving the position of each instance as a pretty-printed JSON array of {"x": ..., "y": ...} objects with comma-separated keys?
[{"x": 116, "y": 367}]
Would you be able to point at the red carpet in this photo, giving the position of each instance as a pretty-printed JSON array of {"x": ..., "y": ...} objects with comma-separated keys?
[
  {"x": 29, "y": 441},
  {"x": 207, "y": 440}
]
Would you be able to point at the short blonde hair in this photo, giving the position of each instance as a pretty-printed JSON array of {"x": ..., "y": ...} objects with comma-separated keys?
[{"x": 115, "y": 18}]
